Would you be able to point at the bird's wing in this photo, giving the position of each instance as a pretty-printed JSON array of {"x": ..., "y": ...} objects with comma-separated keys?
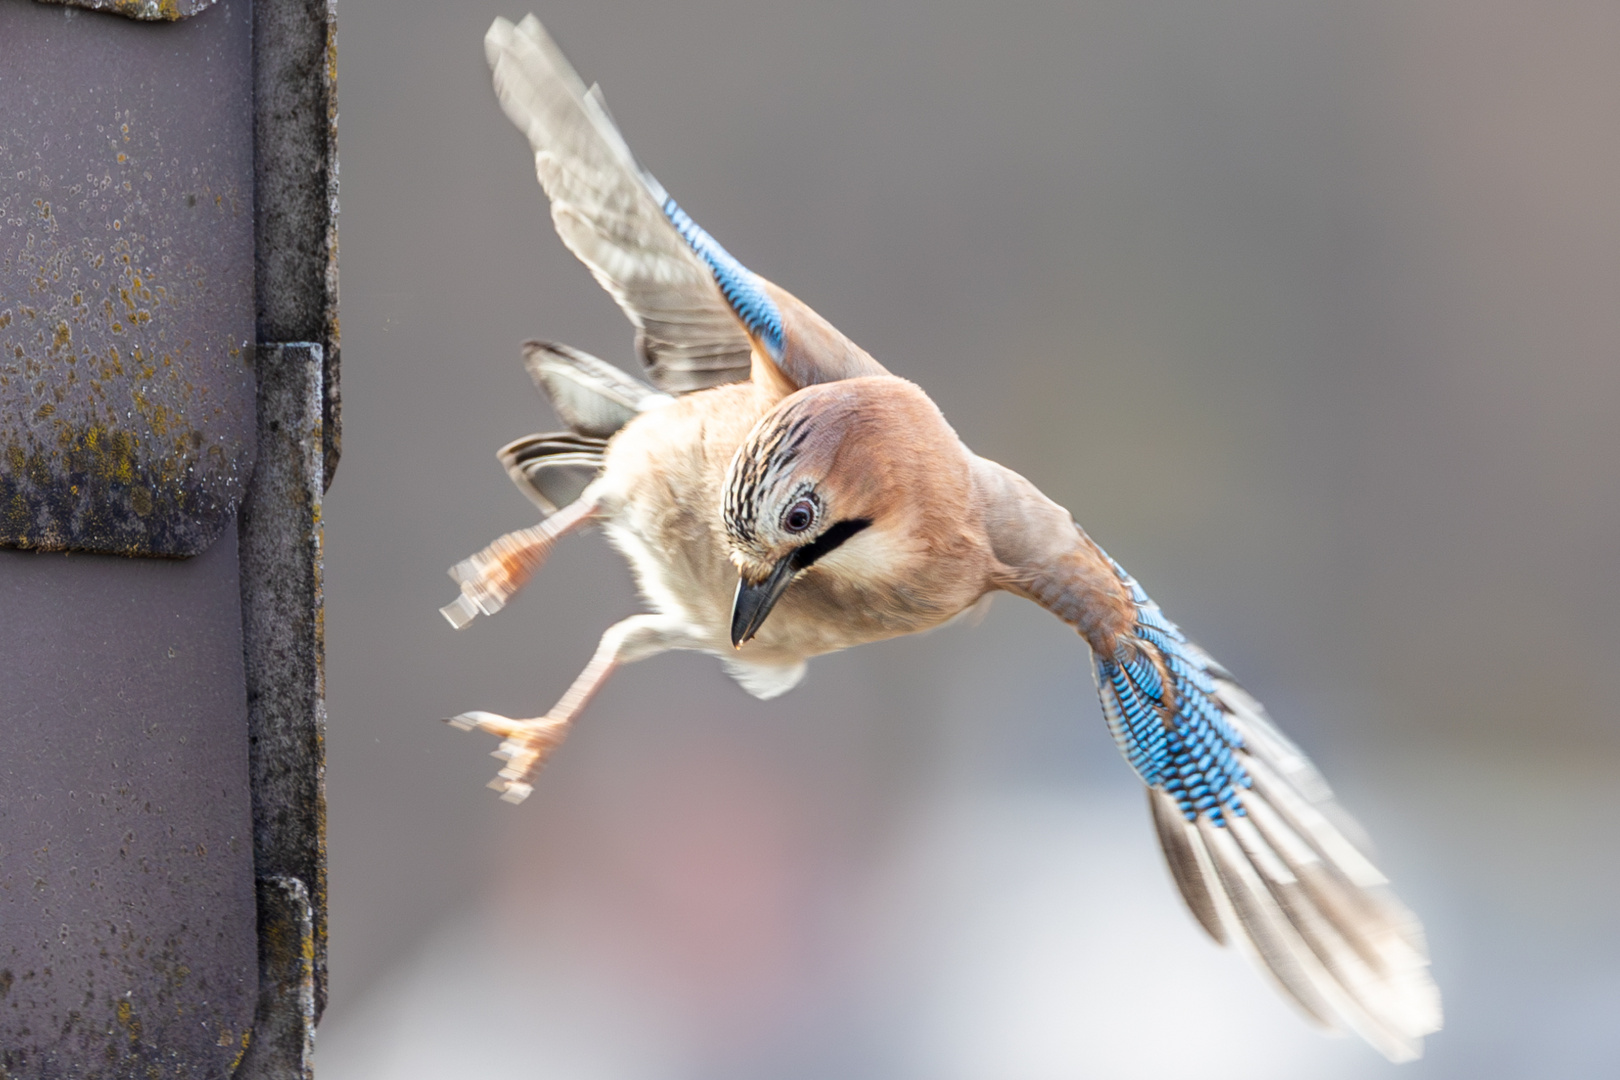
[
  {"x": 701, "y": 317},
  {"x": 1255, "y": 842}
]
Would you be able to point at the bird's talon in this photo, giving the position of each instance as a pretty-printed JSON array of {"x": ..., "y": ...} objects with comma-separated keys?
[
  {"x": 516, "y": 792},
  {"x": 486, "y": 721},
  {"x": 525, "y": 745},
  {"x": 460, "y": 611},
  {"x": 486, "y": 585}
]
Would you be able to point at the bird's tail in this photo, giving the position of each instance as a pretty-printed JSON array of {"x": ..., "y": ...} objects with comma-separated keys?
[
  {"x": 553, "y": 469},
  {"x": 1257, "y": 846},
  {"x": 595, "y": 399},
  {"x": 592, "y": 397}
]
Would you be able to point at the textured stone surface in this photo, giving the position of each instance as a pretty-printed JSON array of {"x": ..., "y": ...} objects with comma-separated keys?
[
  {"x": 295, "y": 163},
  {"x": 127, "y": 926},
  {"x": 126, "y": 279},
  {"x": 142, "y": 794},
  {"x": 282, "y": 633},
  {"x": 284, "y": 1029},
  {"x": 144, "y": 10}
]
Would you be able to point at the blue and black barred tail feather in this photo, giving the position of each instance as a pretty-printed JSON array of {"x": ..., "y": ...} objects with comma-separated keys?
[
  {"x": 1258, "y": 848},
  {"x": 553, "y": 469},
  {"x": 592, "y": 397}
]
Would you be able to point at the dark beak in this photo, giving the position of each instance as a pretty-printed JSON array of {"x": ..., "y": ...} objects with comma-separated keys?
[{"x": 755, "y": 600}]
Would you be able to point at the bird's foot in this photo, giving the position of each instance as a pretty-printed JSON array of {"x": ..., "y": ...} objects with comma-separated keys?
[
  {"x": 525, "y": 745},
  {"x": 487, "y": 582},
  {"x": 493, "y": 576}
]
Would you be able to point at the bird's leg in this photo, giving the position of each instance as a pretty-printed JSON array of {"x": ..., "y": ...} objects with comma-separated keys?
[
  {"x": 493, "y": 576},
  {"x": 526, "y": 743}
]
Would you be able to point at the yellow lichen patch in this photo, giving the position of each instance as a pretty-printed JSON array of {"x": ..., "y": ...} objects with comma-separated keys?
[
  {"x": 247, "y": 1037},
  {"x": 141, "y": 457},
  {"x": 331, "y": 65},
  {"x": 128, "y": 1020}
]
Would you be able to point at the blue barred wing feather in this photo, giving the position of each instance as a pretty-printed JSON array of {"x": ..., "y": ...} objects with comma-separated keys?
[
  {"x": 1180, "y": 742},
  {"x": 739, "y": 285},
  {"x": 1257, "y": 846}
]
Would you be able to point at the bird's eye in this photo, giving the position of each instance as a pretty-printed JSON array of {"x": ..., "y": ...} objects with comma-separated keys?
[{"x": 799, "y": 517}]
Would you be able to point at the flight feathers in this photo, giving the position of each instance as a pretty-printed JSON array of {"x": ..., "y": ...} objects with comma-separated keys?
[
  {"x": 591, "y": 396},
  {"x": 1286, "y": 881},
  {"x": 610, "y": 213},
  {"x": 702, "y": 318}
]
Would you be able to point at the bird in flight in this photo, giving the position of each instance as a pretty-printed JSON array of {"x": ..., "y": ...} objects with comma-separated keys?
[{"x": 780, "y": 495}]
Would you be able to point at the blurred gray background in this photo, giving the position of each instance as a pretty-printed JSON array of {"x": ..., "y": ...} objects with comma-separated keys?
[{"x": 1309, "y": 311}]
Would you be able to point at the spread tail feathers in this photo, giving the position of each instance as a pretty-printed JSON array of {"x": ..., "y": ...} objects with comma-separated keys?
[
  {"x": 591, "y": 396},
  {"x": 595, "y": 399},
  {"x": 553, "y": 469}
]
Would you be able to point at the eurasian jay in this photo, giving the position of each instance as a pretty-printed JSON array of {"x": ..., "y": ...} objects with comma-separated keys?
[{"x": 780, "y": 495}]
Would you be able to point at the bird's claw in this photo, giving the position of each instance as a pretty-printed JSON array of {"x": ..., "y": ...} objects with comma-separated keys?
[
  {"x": 525, "y": 745},
  {"x": 493, "y": 576},
  {"x": 460, "y": 611},
  {"x": 465, "y": 722},
  {"x": 516, "y": 791},
  {"x": 486, "y": 585}
]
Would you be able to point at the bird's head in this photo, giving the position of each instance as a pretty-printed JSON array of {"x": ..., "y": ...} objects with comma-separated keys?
[{"x": 842, "y": 476}]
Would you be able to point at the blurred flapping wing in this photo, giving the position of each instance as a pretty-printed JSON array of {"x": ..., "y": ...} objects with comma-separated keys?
[
  {"x": 701, "y": 317},
  {"x": 610, "y": 212}
]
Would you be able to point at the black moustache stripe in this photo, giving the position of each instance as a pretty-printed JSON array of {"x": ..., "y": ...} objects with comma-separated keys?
[{"x": 806, "y": 556}]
